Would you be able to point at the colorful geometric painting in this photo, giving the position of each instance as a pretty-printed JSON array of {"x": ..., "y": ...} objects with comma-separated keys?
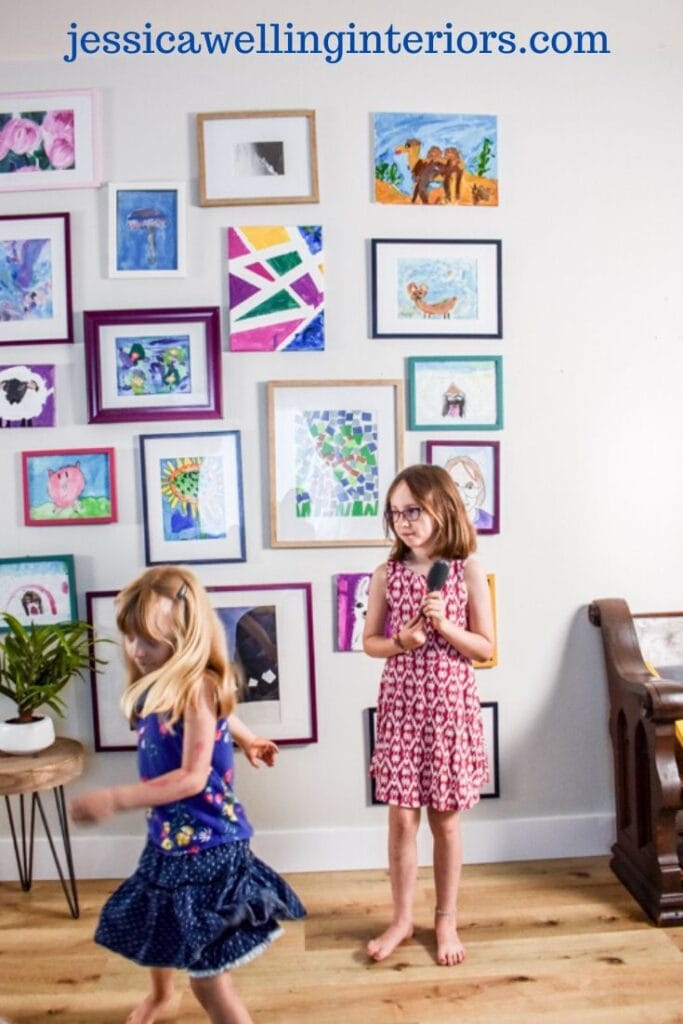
[
  {"x": 69, "y": 487},
  {"x": 147, "y": 229},
  {"x": 192, "y": 498},
  {"x": 251, "y": 634},
  {"x": 37, "y": 141},
  {"x": 27, "y": 395},
  {"x": 275, "y": 285},
  {"x": 26, "y": 279},
  {"x": 436, "y": 159},
  {"x": 336, "y": 463},
  {"x": 39, "y": 589},
  {"x": 153, "y": 365},
  {"x": 450, "y": 283}
]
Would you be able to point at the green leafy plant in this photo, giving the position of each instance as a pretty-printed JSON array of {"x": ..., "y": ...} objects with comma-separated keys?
[
  {"x": 484, "y": 158},
  {"x": 37, "y": 662},
  {"x": 388, "y": 172}
]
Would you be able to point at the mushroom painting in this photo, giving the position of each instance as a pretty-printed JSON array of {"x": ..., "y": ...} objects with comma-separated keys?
[
  {"x": 147, "y": 226},
  {"x": 148, "y": 220}
]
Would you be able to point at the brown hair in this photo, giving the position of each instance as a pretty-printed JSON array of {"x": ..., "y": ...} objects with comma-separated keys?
[
  {"x": 435, "y": 491},
  {"x": 196, "y": 640}
]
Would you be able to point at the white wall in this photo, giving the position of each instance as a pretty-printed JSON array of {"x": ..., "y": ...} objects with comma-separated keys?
[{"x": 590, "y": 218}]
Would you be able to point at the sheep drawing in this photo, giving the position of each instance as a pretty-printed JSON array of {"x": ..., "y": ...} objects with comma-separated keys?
[{"x": 24, "y": 394}]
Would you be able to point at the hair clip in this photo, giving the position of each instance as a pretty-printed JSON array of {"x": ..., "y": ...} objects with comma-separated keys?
[{"x": 182, "y": 590}]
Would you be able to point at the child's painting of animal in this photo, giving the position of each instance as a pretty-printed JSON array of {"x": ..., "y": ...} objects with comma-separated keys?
[
  {"x": 437, "y": 288},
  {"x": 352, "y": 606},
  {"x": 38, "y": 589},
  {"x": 276, "y": 289},
  {"x": 27, "y": 395},
  {"x": 72, "y": 487},
  {"x": 436, "y": 159},
  {"x": 153, "y": 365}
]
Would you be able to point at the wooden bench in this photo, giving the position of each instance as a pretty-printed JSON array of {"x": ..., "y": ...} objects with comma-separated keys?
[{"x": 644, "y": 661}]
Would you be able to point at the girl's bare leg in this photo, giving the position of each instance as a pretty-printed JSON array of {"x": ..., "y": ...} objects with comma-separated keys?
[
  {"x": 403, "y": 825},
  {"x": 159, "y": 999},
  {"x": 219, "y": 998},
  {"x": 445, "y": 826}
]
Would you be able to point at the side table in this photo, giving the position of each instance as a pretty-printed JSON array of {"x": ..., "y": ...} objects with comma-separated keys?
[{"x": 31, "y": 775}]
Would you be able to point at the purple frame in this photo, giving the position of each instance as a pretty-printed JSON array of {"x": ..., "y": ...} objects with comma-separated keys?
[
  {"x": 312, "y": 736},
  {"x": 95, "y": 322},
  {"x": 65, "y": 323},
  {"x": 492, "y": 526}
]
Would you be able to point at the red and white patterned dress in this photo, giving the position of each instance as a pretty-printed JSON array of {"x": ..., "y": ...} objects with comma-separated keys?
[{"x": 429, "y": 749}]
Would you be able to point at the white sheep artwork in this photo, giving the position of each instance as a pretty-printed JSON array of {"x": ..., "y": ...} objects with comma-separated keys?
[{"x": 24, "y": 393}]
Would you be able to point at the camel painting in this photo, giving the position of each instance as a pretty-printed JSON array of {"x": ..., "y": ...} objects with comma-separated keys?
[{"x": 436, "y": 159}]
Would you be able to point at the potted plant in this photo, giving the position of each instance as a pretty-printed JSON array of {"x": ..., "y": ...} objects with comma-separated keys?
[{"x": 36, "y": 663}]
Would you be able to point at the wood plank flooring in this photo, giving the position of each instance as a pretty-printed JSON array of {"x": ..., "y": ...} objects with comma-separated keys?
[{"x": 560, "y": 941}]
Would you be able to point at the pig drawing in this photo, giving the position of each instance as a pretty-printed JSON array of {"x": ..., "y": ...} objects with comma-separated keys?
[{"x": 65, "y": 485}]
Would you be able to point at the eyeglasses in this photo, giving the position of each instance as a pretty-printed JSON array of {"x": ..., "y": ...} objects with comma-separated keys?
[{"x": 410, "y": 514}]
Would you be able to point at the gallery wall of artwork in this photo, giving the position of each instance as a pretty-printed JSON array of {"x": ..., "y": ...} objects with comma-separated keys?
[{"x": 230, "y": 288}]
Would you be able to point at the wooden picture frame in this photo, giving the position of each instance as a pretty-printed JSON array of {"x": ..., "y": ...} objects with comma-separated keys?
[
  {"x": 253, "y": 157},
  {"x": 334, "y": 448}
]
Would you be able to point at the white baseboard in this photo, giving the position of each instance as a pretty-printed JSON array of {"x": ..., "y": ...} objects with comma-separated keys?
[{"x": 344, "y": 849}]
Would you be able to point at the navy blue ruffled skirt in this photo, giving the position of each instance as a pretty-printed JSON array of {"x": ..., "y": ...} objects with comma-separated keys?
[{"x": 203, "y": 913}]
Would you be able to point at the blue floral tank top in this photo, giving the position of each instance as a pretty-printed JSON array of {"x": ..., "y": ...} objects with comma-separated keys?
[{"x": 209, "y": 818}]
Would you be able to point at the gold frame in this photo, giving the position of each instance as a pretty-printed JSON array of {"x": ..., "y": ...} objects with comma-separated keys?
[
  {"x": 377, "y": 538},
  {"x": 238, "y": 200},
  {"x": 493, "y": 660}
]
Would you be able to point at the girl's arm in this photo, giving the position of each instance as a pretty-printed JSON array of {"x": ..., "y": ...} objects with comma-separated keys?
[
  {"x": 255, "y": 748},
  {"x": 475, "y": 642},
  {"x": 199, "y": 728},
  {"x": 375, "y": 643}
]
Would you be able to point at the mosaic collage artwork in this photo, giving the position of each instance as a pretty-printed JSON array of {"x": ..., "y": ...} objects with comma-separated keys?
[
  {"x": 275, "y": 285},
  {"x": 336, "y": 463}
]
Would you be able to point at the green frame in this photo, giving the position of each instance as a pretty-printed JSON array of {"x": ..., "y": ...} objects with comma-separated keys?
[
  {"x": 11, "y": 601},
  {"x": 431, "y": 415}
]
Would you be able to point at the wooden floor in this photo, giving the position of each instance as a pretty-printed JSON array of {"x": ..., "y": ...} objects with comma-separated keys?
[{"x": 560, "y": 941}]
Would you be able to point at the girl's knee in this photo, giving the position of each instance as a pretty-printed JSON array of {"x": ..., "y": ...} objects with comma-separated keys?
[
  {"x": 444, "y": 824},
  {"x": 404, "y": 821}
]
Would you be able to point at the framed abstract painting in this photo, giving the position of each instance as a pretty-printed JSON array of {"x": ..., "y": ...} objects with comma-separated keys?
[
  {"x": 27, "y": 395},
  {"x": 69, "y": 487},
  {"x": 455, "y": 392},
  {"x": 334, "y": 448},
  {"x": 147, "y": 229},
  {"x": 475, "y": 468},
  {"x": 35, "y": 279},
  {"x": 39, "y": 588},
  {"x": 436, "y": 288},
  {"x": 276, "y": 288},
  {"x": 50, "y": 140},
  {"x": 153, "y": 364},
  {"x": 249, "y": 157},
  {"x": 192, "y": 497}
]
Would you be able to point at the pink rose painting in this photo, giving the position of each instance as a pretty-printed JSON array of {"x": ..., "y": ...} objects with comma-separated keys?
[{"x": 37, "y": 141}]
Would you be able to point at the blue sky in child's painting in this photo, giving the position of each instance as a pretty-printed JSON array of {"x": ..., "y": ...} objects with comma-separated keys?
[
  {"x": 147, "y": 229},
  {"x": 192, "y": 498},
  {"x": 26, "y": 279},
  {"x": 94, "y": 467},
  {"x": 153, "y": 364},
  {"x": 444, "y": 279},
  {"x": 464, "y": 131}
]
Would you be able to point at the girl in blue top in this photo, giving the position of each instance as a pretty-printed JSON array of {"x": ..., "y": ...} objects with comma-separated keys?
[{"x": 199, "y": 899}]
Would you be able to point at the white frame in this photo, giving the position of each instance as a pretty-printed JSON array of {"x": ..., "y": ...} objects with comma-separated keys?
[
  {"x": 59, "y": 328},
  {"x": 87, "y": 172},
  {"x": 227, "y": 445},
  {"x": 217, "y": 135},
  {"x": 381, "y": 398},
  {"x": 113, "y": 191}
]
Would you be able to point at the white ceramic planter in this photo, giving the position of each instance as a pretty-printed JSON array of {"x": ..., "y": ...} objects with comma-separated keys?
[{"x": 26, "y": 737}]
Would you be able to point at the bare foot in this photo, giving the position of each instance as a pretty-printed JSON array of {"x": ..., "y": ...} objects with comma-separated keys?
[
  {"x": 449, "y": 948},
  {"x": 150, "y": 1009},
  {"x": 385, "y": 944}
]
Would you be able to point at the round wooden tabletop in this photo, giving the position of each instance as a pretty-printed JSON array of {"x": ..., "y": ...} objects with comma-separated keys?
[{"x": 30, "y": 773}]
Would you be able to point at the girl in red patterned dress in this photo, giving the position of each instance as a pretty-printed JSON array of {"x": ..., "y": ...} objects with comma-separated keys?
[{"x": 430, "y": 746}]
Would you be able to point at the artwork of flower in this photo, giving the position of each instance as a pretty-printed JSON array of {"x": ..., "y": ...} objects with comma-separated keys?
[
  {"x": 336, "y": 463},
  {"x": 275, "y": 286},
  {"x": 36, "y": 141},
  {"x": 192, "y": 496}
]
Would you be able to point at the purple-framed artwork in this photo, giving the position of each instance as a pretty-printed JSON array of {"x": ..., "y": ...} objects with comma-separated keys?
[
  {"x": 269, "y": 632},
  {"x": 35, "y": 279},
  {"x": 153, "y": 364},
  {"x": 475, "y": 468},
  {"x": 27, "y": 395},
  {"x": 352, "y": 606},
  {"x": 69, "y": 487}
]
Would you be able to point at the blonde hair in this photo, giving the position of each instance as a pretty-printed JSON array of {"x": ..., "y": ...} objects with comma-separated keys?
[
  {"x": 196, "y": 639},
  {"x": 435, "y": 491}
]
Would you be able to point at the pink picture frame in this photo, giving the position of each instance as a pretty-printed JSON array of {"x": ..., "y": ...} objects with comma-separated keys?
[{"x": 69, "y": 487}]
